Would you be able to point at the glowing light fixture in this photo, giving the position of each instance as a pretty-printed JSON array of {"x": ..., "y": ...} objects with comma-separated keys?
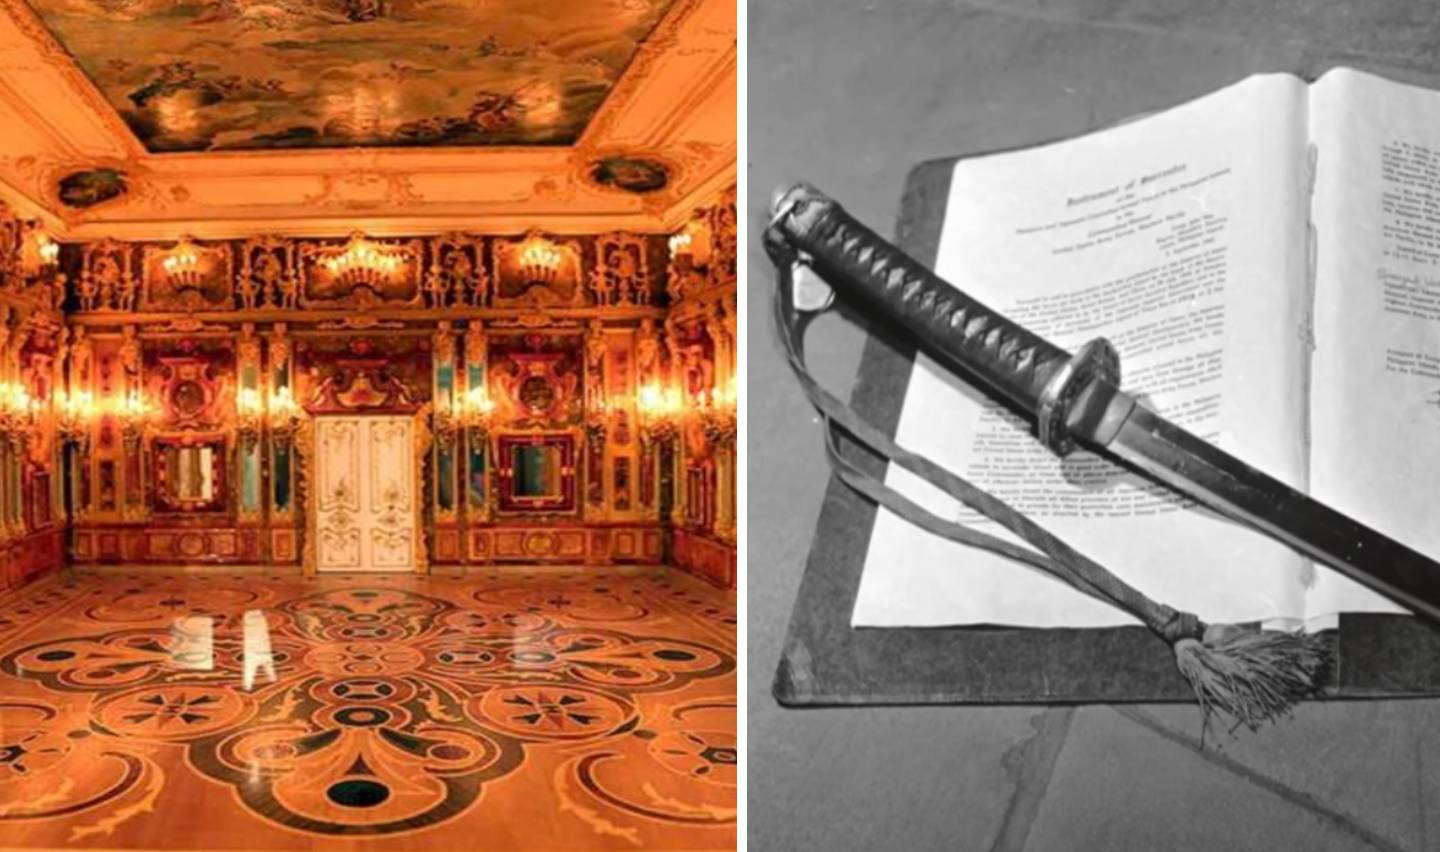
[
  {"x": 282, "y": 410},
  {"x": 363, "y": 262},
  {"x": 680, "y": 245},
  {"x": 182, "y": 265},
  {"x": 248, "y": 410},
  {"x": 134, "y": 409},
  {"x": 539, "y": 260},
  {"x": 76, "y": 410},
  {"x": 477, "y": 409},
  {"x": 659, "y": 408}
]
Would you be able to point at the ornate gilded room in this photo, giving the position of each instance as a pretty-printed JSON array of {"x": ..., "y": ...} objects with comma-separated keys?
[{"x": 368, "y": 424}]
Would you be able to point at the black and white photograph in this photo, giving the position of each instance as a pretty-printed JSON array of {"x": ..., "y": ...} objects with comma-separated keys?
[{"x": 1094, "y": 439}]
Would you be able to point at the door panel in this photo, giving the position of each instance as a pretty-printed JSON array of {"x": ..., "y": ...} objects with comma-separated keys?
[{"x": 365, "y": 518}]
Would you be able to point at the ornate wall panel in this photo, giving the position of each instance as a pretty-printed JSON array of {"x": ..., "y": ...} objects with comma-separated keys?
[
  {"x": 520, "y": 359},
  {"x": 33, "y": 348},
  {"x": 184, "y": 277},
  {"x": 536, "y": 271},
  {"x": 361, "y": 273},
  {"x": 702, "y": 339}
]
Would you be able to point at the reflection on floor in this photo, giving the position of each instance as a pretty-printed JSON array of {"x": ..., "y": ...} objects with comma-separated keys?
[{"x": 220, "y": 711}]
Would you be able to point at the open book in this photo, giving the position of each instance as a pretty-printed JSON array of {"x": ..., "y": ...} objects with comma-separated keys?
[{"x": 1266, "y": 260}]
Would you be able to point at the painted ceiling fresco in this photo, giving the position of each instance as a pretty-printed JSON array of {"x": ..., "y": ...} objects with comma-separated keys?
[{"x": 197, "y": 75}]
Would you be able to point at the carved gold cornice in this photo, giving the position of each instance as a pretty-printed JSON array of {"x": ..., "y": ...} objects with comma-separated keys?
[{"x": 218, "y": 320}]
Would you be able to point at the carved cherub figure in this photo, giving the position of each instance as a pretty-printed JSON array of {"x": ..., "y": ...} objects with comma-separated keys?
[
  {"x": 89, "y": 291},
  {"x": 105, "y": 275},
  {"x": 289, "y": 291},
  {"x": 437, "y": 285},
  {"x": 130, "y": 352},
  {"x": 125, "y": 292},
  {"x": 461, "y": 274},
  {"x": 265, "y": 279},
  {"x": 647, "y": 350},
  {"x": 80, "y": 353}
]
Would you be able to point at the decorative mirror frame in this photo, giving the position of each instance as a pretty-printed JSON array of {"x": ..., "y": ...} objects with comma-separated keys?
[
  {"x": 159, "y": 472},
  {"x": 567, "y": 503}
]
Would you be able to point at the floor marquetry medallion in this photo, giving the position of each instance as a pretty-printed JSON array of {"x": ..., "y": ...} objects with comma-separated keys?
[{"x": 220, "y": 711}]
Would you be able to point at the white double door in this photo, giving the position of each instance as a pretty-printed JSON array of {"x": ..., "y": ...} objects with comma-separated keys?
[{"x": 366, "y": 517}]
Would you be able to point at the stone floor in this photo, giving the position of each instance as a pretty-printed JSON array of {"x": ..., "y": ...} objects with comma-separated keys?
[
  {"x": 517, "y": 710},
  {"x": 849, "y": 95}
]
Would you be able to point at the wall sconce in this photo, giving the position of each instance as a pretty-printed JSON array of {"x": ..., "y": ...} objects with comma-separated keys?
[
  {"x": 686, "y": 263},
  {"x": 248, "y": 412},
  {"x": 134, "y": 410},
  {"x": 658, "y": 410},
  {"x": 75, "y": 411},
  {"x": 18, "y": 410},
  {"x": 718, "y": 413},
  {"x": 282, "y": 412},
  {"x": 363, "y": 262},
  {"x": 41, "y": 254},
  {"x": 539, "y": 260},
  {"x": 182, "y": 266},
  {"x": 680, "y": 249},
  {"x": 476, "y": 410}
]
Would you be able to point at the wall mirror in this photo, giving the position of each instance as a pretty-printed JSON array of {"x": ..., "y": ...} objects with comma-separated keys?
[
  {"x": 536, "y": 472},
  {"x": 190, "y": 474}
]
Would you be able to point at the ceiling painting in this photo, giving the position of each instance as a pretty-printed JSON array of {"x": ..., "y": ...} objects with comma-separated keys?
[
  {"x": 200, "y": 75},
  {"x": 631, "y": 174}
]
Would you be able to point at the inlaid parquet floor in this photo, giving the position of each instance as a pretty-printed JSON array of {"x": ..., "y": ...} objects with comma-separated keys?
[{"x": 249, "y": 711}]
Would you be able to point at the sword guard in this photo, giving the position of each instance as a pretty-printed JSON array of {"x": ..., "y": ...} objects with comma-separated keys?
[{"x": 1096, "y": 361}]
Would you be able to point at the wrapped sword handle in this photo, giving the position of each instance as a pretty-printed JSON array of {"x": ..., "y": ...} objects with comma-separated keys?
[{"x": 1068, "y": 395}]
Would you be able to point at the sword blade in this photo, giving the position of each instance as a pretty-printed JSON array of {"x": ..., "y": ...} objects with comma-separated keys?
[{"x": 1151, "y": 444}]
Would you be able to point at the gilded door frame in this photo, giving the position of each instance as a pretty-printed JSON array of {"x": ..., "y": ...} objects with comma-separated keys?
[{"x": 421, "y": 440}]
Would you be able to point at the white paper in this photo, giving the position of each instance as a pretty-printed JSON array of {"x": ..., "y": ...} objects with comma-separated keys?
[
  {"x": 1375, "y": 394},
  {"x": 1206, "y": 203}
]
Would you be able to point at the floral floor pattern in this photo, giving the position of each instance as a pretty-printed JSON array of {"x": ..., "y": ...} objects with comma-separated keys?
[{"x": 503, "y": 711}]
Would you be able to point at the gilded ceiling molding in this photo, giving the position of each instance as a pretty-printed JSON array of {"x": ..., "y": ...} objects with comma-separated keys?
[
  {"x": 663, "y": 38},
  {"x": 59, "y": 59},
  {"x": 355, "y": 190}
]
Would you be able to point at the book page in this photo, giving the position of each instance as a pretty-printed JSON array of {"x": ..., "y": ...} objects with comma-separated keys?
[
  {"x": 1375, "y": 399},
  {"x": 1181, "y": 238}
]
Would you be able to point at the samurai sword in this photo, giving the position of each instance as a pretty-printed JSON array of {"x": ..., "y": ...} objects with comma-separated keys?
[{"x": 1076, "y": 399}]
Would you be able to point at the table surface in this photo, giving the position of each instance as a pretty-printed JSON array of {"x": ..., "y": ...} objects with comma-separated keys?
[{"x": 849, "y": 95}]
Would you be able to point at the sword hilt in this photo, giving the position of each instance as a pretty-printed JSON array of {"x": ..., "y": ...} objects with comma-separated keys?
[{"x": 1040, "y": 378}]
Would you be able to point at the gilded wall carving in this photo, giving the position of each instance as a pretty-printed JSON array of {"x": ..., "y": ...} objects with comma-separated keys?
[
  {"x": 34, "y": 345},
  {"x": 361, "y": 273},
  {"x": 186, "y": 381}
]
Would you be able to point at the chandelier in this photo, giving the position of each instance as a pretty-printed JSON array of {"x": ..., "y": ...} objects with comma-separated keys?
[{"x": 363, "y": 262}]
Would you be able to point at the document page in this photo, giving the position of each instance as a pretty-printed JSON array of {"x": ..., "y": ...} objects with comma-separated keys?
[
  {"x": 1181, "y": 238},
  {"x": 1375, "y": 399}
]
